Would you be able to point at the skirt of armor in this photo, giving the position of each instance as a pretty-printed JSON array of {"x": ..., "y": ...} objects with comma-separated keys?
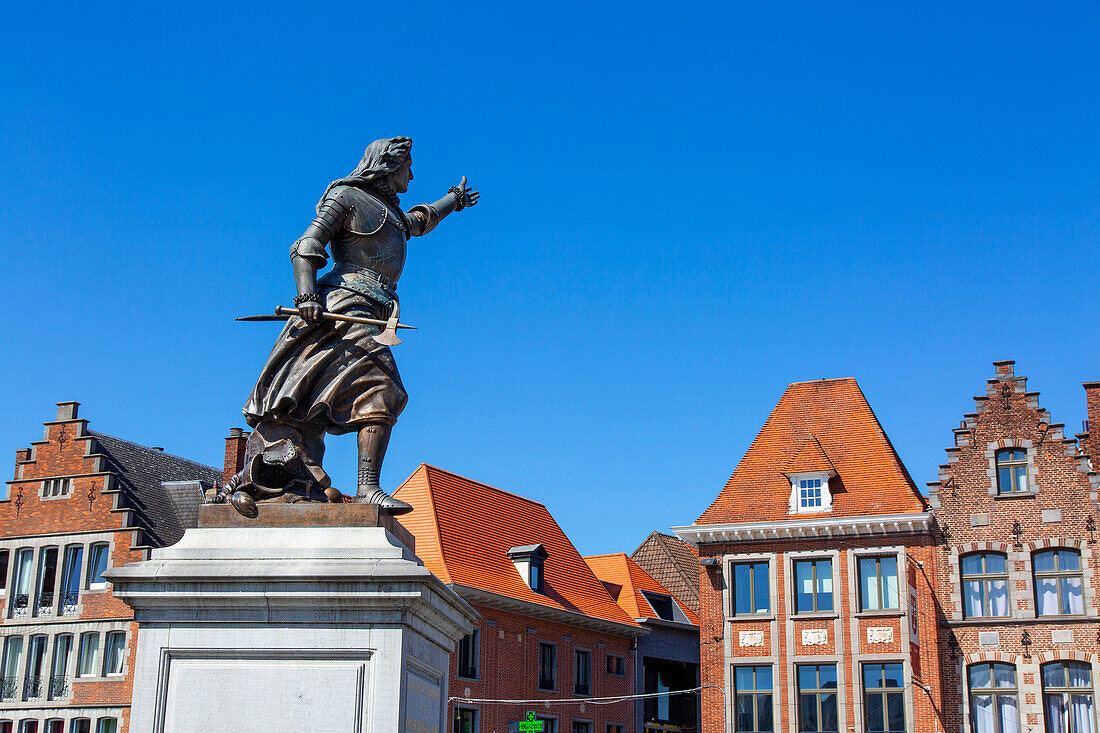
[{"x": 330, "y": 376}]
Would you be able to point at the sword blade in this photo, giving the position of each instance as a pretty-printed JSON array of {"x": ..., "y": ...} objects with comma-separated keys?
[{"x": 282, "y": 314}]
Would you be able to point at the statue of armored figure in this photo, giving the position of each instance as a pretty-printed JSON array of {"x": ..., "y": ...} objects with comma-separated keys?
[{"x": 329, "y": 372}]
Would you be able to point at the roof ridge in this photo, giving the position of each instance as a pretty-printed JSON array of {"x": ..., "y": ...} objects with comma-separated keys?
[
  {"x": 606, "y": 554},
  {"x": 823, "y": 379},
  {"x": 430, "y": 467},
  {"x": 96, "y": 434}
]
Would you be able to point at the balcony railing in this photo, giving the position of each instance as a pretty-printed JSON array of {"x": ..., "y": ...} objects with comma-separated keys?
[
  {"x": 69, "y": 601},
  {"x": 59, "y": 687},
  {"x": 19, "y": 605},
  {"x": 8, "y": 687},
  {"x": 44, "y": 604},
  {"x": 35, "y": 688}
]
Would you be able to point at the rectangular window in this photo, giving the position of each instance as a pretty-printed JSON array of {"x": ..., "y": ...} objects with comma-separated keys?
[
  {"x": 582, "y": 726},
  {"x": 21, "y": 582},
  {"x": 13, "y": 653},
  {"x": 55, "y": 487},
  {"x": 751, "y": 588},
  {"x": 615, "y": 728},
  {"x": 582, "y": 669},
  {"x": 47, "y": 576},
  {"x": 468, "y": 655},
  {"x": 59, "y": 672},
  {"x": 35, "y": 685},
  {"x": 884, "y": 698},
  {"x": 28, "y": 726},
  {"x": 97, "y": 564},
  {"x": 114, "y": 653},
  {"x": 548, "y": 667},
  {"x": 753, "y": 700},
  {"x": 107, "y": 725},
  {"x": 81, "y": 725},
  {"x": 88, "y": 655},
  {"x": 813, "y": 585},
  {"x": 878, "y": 583},
  {"x": 549, "y": 725},
  {"x": 809, "y": 494},
  {"x": 616, "y": 665},
  {"x": 3, "y": 569},
  {"x": 661, "y": 605},
  {"x": 465, "y": 720},
  {"x": 534, "y": 576},
  {"x": 817, "y": 706},
  {"x": 70, "y": 580},
  {"x": 55, "y": 726}
]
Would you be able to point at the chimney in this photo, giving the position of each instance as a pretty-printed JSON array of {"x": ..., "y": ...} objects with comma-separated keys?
[
  {"x": 66, "y": 411},
  {"x": 1092, "y": 412},
  {"x": 234, "y": 452}
]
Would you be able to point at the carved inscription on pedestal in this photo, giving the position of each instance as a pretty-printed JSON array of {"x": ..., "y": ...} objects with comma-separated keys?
[
  {"x": 751, "y": 638},
  {"x": 814, "y": 637},
  {"x": 880, "y": 635}
]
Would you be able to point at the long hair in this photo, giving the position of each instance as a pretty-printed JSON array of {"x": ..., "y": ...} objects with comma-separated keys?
[{"x": 379, "y": 159}]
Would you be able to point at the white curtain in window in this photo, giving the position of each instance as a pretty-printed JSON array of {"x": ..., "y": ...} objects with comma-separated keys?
[
  {"x": 973, "y": 600},
  {"x": 1080, "y": 713},
  {"x": 998, "y": 597},
  {"x": 1047, "y": 593},
  {"x": 983, "y": 714},
  {"x": 1073, "y": 594},
  {"x": 1010, "y": 714},
  {"x": 23, "y": 572},
  {"x": 1054, "y": 712}
]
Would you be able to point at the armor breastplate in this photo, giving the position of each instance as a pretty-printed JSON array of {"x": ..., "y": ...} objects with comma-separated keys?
[{"x": 374, "y": 235}]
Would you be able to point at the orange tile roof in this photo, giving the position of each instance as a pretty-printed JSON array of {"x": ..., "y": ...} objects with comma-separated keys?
[
  {"x": 464, "y": 530},
  {"x": 808, "y": 458},
  {"x": 618, "y": 569},
  {"x": 834, "y": 414}
]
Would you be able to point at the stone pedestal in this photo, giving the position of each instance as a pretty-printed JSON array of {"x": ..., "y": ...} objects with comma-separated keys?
[{"x": 310, "y": 617}]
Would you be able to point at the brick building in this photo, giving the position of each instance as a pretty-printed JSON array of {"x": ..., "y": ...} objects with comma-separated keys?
[
  {"x": 816, "y": 602},
  {"x": 80, "y": 502},
  {"x": 667, "y": 658},
  {"x": 1016, "y": 518},
  {"x": 550, "y": 629}
]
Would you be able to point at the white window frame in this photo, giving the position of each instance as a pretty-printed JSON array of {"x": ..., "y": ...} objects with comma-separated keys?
[{"x": 826, "y": 505}]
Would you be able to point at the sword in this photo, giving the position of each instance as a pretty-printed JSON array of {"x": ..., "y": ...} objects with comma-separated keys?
[{"x": 386, "y": 336}]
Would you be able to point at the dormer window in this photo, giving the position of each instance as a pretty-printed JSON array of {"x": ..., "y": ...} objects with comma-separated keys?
[
  {"x": 810, "y": 492},
  {"x": 529, "y": 561}
]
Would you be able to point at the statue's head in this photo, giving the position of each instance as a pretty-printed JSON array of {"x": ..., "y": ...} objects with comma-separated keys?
[{"x": 388, "y": 160}]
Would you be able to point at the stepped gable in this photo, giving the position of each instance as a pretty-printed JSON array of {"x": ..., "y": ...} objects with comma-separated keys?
[
  {"x": 673, "y": 563},
  {"x": 834, "y": 414},
  {"x": 618, "y": 569},
  {"x": 464, "y": 530},
  {"x": 161, "y": 511}
]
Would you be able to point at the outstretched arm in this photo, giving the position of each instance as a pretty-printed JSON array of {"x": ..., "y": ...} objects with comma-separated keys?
[{"x": 424, "y": 217}]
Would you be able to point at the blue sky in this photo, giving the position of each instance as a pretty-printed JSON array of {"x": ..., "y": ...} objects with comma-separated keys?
[{"x": 684, "y": 208}]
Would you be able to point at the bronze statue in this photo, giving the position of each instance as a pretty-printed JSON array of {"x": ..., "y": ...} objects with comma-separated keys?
[{"x": 331, "y": 370}]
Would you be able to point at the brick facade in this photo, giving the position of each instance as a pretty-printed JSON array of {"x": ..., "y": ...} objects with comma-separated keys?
[
  {"x": 73, "y": 492},
  {"x": 508, "y": 669},
  {"x": 974, "y": 515}
]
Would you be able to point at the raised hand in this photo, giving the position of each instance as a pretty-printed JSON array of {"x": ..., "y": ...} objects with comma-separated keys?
[{"x": 467, "y": 196}]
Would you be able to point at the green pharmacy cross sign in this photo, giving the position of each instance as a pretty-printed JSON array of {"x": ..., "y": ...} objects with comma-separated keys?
[{"x": 531, "y": 725}]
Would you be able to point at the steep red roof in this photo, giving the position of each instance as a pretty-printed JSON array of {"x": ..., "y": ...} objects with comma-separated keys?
[
  {"x": 830, "y": 416},
  {"x": 618, "y": 569},
  {"x": 464, "y": 530}
]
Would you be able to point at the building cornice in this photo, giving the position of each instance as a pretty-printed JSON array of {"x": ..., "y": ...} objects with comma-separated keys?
[
  {"x": 817, "y": 527},
  {"x": 507, "y": 603}
]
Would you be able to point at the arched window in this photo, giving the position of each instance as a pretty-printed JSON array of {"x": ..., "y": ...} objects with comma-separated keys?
[
  {"x": 1058, "y": 585},
  {"x": 1012, "y": 471},
  {"x": 985, "y": 585},
  {"x": 994, "y": 705},
  {"x": 1067, "y": 698}
]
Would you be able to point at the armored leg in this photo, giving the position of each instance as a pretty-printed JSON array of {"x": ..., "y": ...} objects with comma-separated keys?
[{"x": 373, "y": 440}]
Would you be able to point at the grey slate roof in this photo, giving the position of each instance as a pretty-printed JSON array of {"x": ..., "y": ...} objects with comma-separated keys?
[
  {"x": 161, "y": 511},
  {"x": 673, "y": 563}
]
